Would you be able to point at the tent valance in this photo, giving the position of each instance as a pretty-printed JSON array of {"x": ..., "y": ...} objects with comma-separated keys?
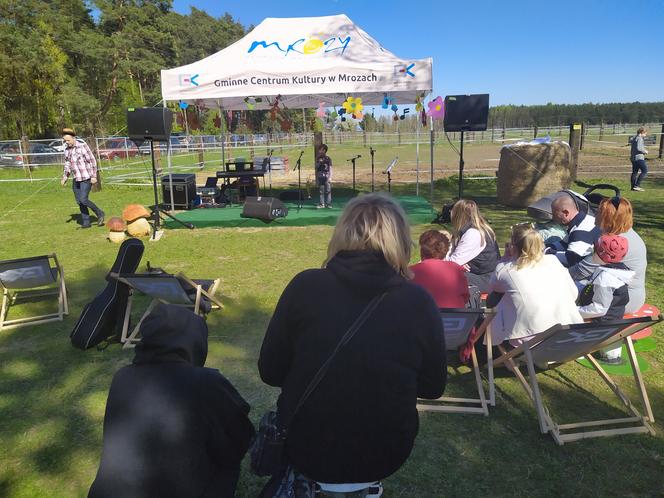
[{"x": 307, "y": 61}]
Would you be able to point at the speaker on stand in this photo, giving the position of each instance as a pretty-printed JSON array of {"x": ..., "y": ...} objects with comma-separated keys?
[
  {"x": 465, "y": 113},
  {"x": 152, "y": 123}
]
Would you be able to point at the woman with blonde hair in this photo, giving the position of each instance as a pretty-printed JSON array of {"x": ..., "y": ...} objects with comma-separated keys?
[
  {"x": 473, "y": 244},
  {"x": 359, "y": 423},
  {"x": 615, "y": 217},
  {"x": 534, "y": 291}
]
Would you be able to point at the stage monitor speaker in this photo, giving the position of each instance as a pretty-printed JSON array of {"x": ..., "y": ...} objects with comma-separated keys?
[
  {"x": 152, "y": 123},
  {"x": 466, "y": 112},
  {"x": 264, "y": 208}
]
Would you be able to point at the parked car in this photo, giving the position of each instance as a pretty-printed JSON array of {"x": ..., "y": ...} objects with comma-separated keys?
[
  {"x": 118, "y": 148},
  {"x": 10, "y": 155},
  {"x": 176, "y": 144},
  {"x": 59, "y": 144}
]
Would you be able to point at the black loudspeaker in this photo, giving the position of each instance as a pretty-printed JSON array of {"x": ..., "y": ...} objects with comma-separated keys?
[
  {"x": 264, "y": 208},
  {"x": 152, "y": 123},
  {"x": 184, "y": 189},
  {"x": 466, "y": 112}
]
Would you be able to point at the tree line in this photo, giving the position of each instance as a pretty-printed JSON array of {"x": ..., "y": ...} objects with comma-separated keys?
[{"x": 82, "y": 63}]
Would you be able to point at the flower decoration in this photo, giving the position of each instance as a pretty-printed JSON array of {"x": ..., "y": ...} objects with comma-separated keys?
[
  {"x": 358, "y": 115},
  {"x": 342, "y": 114},
  {"x": 183, "y": 104},
  {"x": 321, "y": 110},
  {"x": 437, "y": 108},
  {"x": 394, "y": 108},
  {"x": 387, "y": 101},
  {"x": 353, "y": 105}
]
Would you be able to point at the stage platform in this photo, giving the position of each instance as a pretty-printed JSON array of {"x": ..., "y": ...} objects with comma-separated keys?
[{"x": 418, "y": 209}]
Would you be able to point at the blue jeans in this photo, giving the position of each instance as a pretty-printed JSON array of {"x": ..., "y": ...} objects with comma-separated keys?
[
  {"x": 638, "y": 165},
  {"x": 325, "y": 188},
  {"x": 81, "y": 193}
]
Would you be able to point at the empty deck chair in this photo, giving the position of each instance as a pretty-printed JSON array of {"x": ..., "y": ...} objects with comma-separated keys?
[{"x": 32, "y": 279}]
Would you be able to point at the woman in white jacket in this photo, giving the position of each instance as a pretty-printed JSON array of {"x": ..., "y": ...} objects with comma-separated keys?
[{"x": 534, "y": 290}]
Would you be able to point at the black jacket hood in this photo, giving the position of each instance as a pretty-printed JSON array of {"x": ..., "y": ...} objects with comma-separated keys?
[
  {"x": 364, "y": 270},
  {"x": 172, "y": 334}
]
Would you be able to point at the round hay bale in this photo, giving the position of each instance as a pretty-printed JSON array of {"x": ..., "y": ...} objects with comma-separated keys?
[
  {"x": 139, "y": 228},
  {"x": 527, "y": 172},
  {"x": 134, "y": 211},
  {"x": 116, "y": 224},
  {"x": 116, "y": 237}
]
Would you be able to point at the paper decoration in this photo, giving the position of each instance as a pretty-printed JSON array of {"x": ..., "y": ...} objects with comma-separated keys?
[
  {"x": 183, "y": 105},
  {"x": 321, "y": 110},
  {"x": 251, "y": 102},
  {"x": 387, "y": 101},
  {"x": 423, "y": 117},
  {"x": 418, "y": 104},
  {"x": 403, "y": 113},
  {"x": 342, "y": 114},
  {"x": 437, "y": 108},
  {"x": 353, "y": 105}
]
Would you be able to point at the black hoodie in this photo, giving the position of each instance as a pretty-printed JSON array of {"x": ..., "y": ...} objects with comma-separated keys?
[
  {"x": 360, "y": 422},
  {"x": 172, "y": 428}
]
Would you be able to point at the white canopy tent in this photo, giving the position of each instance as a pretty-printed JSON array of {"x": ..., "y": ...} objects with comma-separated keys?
[
  {"x": 306, "y": 60},
  {"x": 302, "y": 63}
]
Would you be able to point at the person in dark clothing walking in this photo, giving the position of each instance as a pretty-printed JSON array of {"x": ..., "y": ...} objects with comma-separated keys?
[
  {"x": 359, "y": 424},
  {"x": 172, "y": 428}
]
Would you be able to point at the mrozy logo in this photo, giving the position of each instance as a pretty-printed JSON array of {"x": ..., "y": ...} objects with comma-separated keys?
[
  {"x": 304, "y": 46},
  {"x": 188, "y": 80}
]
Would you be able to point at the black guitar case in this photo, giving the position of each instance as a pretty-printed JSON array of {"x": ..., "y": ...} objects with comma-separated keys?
[{"x": 102, "y": 318}]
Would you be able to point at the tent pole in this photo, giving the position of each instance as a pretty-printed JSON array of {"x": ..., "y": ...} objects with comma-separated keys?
[
  {"x": 417, "y": 158},
  {"x": 222, "y": 128},
  {"x": 431, "y": 148},
  {"x": 170, "y": 173}
]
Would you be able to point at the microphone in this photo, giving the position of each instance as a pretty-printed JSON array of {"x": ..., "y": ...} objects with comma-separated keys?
[
  {"x": 270, "y": 153},
  {"x": 372, "y": 150},
  {"x": 301, "y": 152}
]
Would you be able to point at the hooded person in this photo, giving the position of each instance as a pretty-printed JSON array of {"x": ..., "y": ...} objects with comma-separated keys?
[{"x": 172, "y": 427}]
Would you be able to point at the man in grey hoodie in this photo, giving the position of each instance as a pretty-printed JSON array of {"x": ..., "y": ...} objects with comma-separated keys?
[{"x": 638, "y": 158}]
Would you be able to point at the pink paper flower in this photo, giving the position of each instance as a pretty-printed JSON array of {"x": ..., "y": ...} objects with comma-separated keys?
[{"x": 436, "y": 108}]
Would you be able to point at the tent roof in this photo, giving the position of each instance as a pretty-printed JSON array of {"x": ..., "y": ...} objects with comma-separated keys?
[{"x": 306, "y": 60}]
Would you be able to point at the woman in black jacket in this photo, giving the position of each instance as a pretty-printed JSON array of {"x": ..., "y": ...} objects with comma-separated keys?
[
  {"x": 172, "y": 428},
  {"x": 359, "y": 424}
]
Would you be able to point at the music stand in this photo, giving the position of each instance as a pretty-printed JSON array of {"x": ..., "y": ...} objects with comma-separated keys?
[
  {"x": 388, "y": 172},
  {"x": 353, "y": 159},
  {"x": 372, "y": 151},
  {"x": 157, "y": 212},
  {"x": 298, "y": 167}
]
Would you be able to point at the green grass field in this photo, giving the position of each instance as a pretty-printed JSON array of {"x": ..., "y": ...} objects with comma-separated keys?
[{"x": 52, "y": 396}]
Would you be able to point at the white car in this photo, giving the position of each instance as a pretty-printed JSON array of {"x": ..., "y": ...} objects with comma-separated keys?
[{"x": 59, "y": 144}]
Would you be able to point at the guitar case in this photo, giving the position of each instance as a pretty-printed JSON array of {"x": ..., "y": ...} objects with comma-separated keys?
[{"x": 102, "y": 318}]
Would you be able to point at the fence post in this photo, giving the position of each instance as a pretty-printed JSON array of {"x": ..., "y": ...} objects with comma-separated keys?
[
  {"x": 661, "y": 143},
  {"x": 535, "y": 132},
  {"x": 575, "y": 138},
  {"x": 583, "y": 132}
]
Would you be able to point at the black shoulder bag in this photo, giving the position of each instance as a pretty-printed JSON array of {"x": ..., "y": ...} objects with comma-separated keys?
[{"x": 267, "y": 451}]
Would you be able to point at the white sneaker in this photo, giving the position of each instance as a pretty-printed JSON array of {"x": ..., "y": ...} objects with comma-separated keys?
[
  {"x": 320, "y": 206},
  {"x": 638, "y": 189}
]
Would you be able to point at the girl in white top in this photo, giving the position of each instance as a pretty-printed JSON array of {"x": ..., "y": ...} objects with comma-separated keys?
[
  {"x": 473, "y": 244},
  {"x": 538, "y": 291}
]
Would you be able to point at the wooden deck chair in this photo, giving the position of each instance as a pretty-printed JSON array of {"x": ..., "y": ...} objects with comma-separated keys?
[
  {"x": 563, "y": 343},
  {"x": 458, "y": 324},
  {"x": 198, "y": 295},
  {"x": 31, "y": 279}
]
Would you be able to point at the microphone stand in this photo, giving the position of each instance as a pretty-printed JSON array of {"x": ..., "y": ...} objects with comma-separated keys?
[
  {"x": 298, "y": 167},
  {"x": 372, "y": 151},
  {"x": 353, "y": 159},
  {"x": 269, "y": 169}
]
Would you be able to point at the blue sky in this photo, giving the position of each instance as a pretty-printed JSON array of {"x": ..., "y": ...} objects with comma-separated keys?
[{"x": 565, "y": 52}]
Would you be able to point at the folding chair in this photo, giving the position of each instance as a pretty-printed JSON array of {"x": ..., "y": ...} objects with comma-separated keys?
[
  {"x": 458, "y": 324},
  {"x": 170, "y": 289},
  {"x": 563, "y": 343},
  {"x": 31, "y": 279}
]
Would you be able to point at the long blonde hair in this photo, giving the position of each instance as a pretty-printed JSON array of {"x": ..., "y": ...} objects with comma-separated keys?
[
  {"x": 528, "y": 245},
  {"x": 465, "y": 214},
  {"x": 374, "y": 222}
]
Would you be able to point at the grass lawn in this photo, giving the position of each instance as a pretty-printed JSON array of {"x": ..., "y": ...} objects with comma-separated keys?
[{"x": 52, "y": 396}]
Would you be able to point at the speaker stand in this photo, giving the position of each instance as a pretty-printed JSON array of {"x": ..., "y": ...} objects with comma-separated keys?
[
  {"x": 157, "y": 212},
  {"x": 353, "y": 161},
  {"x": 461, "y": 165},
  {"x": 372, "y": 151}
]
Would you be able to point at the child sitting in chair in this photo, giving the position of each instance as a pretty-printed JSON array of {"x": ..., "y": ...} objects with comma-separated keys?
[{"x": 605, "y": 297}]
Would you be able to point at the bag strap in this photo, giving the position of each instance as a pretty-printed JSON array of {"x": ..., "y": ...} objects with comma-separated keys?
[{"x": 359, "y": 321}]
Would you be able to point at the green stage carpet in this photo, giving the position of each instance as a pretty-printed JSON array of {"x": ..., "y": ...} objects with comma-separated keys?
[{"x": 418, "y": 209}]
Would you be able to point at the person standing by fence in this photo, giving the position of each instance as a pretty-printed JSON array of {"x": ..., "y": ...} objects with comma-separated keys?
[
  {"x": 80, "y": 161},
  {"x": 638, "y": 158}
]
